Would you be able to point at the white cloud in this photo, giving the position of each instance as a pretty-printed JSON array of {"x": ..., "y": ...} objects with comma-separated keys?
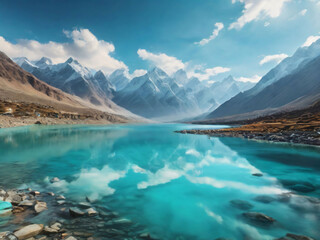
[
  {"x": 257, "y": 9},
  {"x": 138, "y": 73},
  {"x": 218, "y": 27},
  {"x": 84, "y": 47},
  {"x": 273, "y": 58},
  {"x": 208, "y": 73},
  {"x": 266, "y": 24},
  {"x": 167, "y": 63},
  {"x": 254, "y": 79},
  {"x": 303, "y": 12},
  {"x": 310, "y": 40}
]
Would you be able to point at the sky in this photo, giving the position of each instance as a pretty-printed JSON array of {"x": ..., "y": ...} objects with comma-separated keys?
[{"x": 209, "y": 39}]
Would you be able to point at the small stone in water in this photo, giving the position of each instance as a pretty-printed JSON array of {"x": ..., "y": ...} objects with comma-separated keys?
[
  {"x": 60, "y": 197},
  {"x": 92, "y": 212},
  {"x": 55, "y": 179},
  {"x": 50, "y": 193},
  {"x": 75, "y": 212},
  {"x": 241, "y": 204},
  {"x": 34, "y": 193},
  {"x": 27, "y": 203},
  {"x": 60, "y": 202},
  {"x": 40, "y": 207},
  {"x": 85, "y": 204},
  {"x": 257, "y": 174},
  {"x": 70, "y": 238},
  {"x": 258, "y": 217}
]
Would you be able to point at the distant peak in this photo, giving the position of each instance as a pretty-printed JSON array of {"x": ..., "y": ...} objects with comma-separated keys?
[
  {"x": 71, "y": 60},
  {"x": 158, "y": 71}
]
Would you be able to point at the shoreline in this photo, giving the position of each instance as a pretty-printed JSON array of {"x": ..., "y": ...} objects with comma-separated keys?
[
  {"x": 309, "y": 138},
  {"x": 11, "y": 122}
]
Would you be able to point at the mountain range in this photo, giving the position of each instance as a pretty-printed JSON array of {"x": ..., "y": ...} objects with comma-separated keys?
[
  {"x": 292, "y": 84},
  {"x": 154, "y": 95}
]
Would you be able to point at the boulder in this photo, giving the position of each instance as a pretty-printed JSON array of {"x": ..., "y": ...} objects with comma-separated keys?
[
  {"x": 29, "y": 231},
  {"x": 75, "y": 212},
  {"x": 259, "y": 218},
  {"x": 40, "y": 207},
  {"x": 241, "y": 204}
]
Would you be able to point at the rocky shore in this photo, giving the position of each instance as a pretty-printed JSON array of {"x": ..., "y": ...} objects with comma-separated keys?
[
  {"x": 300, "y": 137},
  {"x": 30, "y": 214},
  {"x": 10, "y": 121},
  {"x": 33, "y": 215}
]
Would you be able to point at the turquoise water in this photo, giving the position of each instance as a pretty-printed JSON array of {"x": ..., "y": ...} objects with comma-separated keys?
[{"x": 177, "y": 186}]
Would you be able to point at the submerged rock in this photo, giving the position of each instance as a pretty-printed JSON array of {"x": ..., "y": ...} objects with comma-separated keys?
[
  {"x": 257, "y": 217},
  {"x": 241, "y": 204},
  {"x": 35, "y": 193},
  {"x": 60, "y": 197},
  {"x": 75, "y": 212},
  {"x": 264, "y": 199},
  {"x": 55, "y": 179},
  {"x": 29, "y": 231},
  {"x": 257, "y": 174},
  {"x": 291, "y": 236},
  {"x": 305, "y": 188}
]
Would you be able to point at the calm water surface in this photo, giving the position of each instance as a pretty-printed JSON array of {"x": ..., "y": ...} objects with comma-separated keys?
[{"x": 177, "y": 186}]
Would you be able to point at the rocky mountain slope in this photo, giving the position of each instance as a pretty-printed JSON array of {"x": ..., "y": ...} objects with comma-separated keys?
[
  {"x": 24, "y": 95},
  {"x": 288, "y": 85}
]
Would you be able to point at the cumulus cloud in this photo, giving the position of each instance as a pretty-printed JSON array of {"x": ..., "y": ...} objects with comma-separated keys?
[
  {"x": 273, "y": 58},
  {"x": 218, "y": 27},
  {"x": 208, "y": 73},
  {"x": 257, "y": 9},
  {"x": 310, "y": 40},
  {"x": 138, "y": 73},
  {"x": 253, "y": 79},
  {"x": 167, "y": 63},
  {"x": 84, "y": 46}
]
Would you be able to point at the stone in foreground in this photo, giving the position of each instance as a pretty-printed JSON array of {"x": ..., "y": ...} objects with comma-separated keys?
[
  {"x": 29, "y": 231},
  {"x": 259, "y": 218},
  {"x": 40, "y": 207},
  {"x": 291, "y": 236},
  {"x": 75, "y": 212}
]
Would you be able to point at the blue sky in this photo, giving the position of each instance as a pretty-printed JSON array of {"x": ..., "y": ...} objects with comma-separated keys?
[{"x": 108, "y": 34}]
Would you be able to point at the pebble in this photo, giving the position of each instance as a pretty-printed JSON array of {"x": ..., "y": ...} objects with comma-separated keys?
[
  {"x": 91, "y": 212},
  {"x": 60, "y": 197},
  {"x": 40, "y": 207}
]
